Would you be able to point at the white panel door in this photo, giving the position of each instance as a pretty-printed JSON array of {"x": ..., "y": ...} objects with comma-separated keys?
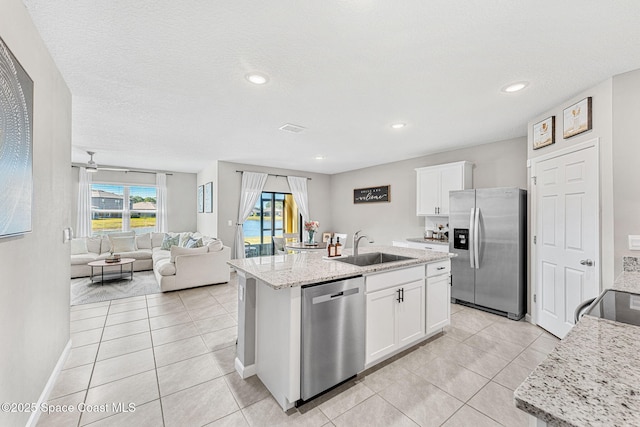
[
  {"x": 567, "y": 248},
  {"x": 451, "y": 178},
  {"x": 381, "y": 333},
  {"x": 411, "y": 312},
  {"x": 438, "y": 303}
]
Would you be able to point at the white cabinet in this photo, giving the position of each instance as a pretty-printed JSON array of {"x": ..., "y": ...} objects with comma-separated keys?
[
  {"x": 395, "y": 311},
  {"x": 438, "y": 296},
  {"x": 435, "y": 182}
]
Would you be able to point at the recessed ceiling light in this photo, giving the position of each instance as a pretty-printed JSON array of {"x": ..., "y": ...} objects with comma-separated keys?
[
  {"x": 257, "y": 78},
  {"x": 398, "y": 125},
  {"x": 515, "y": 87},
  {"x": 319, "y": 157}
]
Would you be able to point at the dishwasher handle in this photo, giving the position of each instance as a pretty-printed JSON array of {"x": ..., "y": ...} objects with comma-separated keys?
[{"x": 333, "y": 297}]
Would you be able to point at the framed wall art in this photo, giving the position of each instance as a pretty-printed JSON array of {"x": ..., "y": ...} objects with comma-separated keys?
[
  {"x": 544, "y": 133},
  {"x": 577, "y": 118},
  {"x": 208, "y": 197},
  {"x": 16, "y": 145},
  {"x": 372, "y": 194},
  {"x": 200, "y": 198}
]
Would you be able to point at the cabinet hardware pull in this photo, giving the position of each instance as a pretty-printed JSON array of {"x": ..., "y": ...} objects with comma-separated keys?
[
  {"x": 441, "y": 268},
  {"x": 399, "y": 300},
  {"x": 402, "y": 294}
]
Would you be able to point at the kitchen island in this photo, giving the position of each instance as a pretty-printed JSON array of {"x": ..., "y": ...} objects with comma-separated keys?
[
  {"x": 593, "y": 375},
  {"x": 269, "y": 309}
]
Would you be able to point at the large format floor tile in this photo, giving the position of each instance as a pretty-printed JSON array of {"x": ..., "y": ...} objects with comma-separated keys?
[{"x": 172, "y": 355}]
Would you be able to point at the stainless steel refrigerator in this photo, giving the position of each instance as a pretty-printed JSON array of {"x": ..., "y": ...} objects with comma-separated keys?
[{"x": 488, "y": 227}]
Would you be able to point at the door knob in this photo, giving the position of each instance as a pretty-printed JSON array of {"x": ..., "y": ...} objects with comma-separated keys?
[{"x": 587, "y": 262}]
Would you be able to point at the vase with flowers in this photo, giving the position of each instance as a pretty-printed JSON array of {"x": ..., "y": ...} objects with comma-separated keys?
[{"x": 311, "y": 227}]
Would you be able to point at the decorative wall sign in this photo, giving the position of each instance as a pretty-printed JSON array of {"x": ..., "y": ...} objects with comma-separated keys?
[
  {"x": 372, "y": 194},
  {"x": 577, "y": 118},
  {"x": 544, "y": 133},
  {"x": 208, "y": 197},
  {"x": 16, "y": 145},
  {"x": 200, "y": 198}
]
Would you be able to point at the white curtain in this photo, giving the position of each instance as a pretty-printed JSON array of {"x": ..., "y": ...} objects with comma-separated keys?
[
  {"x": 161, "y": 203},
  {"x": 252, "y": 185},
  {"x": 298, "y": 186},
  {"x": 83, "y": 227}
]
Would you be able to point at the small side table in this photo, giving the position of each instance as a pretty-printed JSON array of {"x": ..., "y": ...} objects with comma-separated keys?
[{"x": 111, "y": 275}]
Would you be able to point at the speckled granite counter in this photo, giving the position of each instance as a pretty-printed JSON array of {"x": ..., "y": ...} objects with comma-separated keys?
[
  {"x": 284, "y": 271},
  {"x": 592, "y": 377}
]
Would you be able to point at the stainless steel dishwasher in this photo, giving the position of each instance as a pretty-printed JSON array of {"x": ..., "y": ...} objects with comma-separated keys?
[{"x": 333, "y": 320}]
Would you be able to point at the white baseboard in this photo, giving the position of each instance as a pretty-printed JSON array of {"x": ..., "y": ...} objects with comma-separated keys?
[
  {"x": 35, "y": 416},
  {"x": 245, "y": 371},
  {"x": 527, "y": 318}
]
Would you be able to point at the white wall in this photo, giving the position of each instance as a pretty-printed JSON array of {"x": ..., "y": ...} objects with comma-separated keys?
[
  {"x": 626, "y": 155},
  {"x": 208, "y": 222},
  {"x": 181, "y": 194},
  {"x": 602, "y": 129},
  {"x": 319, "y": 189},
  {"x": 34, "y": 291},
  {"x": 499, "y": 164}
]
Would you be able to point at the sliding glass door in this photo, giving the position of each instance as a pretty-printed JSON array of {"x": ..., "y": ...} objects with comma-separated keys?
[{"x": 273, "y": 215}]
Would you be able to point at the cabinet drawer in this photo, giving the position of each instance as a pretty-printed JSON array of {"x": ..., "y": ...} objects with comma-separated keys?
[
  {"x": 437, "y": 268},
  {"x": 379, "y": 281}
]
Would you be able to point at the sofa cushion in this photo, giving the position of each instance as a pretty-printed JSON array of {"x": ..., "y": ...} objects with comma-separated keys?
[
  {"x": 79, "y": 246},
  {"x": 169, "y": 241},
  {"x": 93, "y": 244},
  {"x": 105, "y": 246},
  {"x": 177, "y": 251},
  {"x": 137, "y": 254},
  {"x": 165, "y": 267},
  {"x": 214, "y": 245},
  {"x": 156, "y": 239},
  {"x": 123, "y": 244},
  {"x": 184, "y": 238},
  {"x": 83, "y": 258},
  {"x": 193, "y": 243},
  {"x": 143, "y": 241},
  {"x": 159, "y": 254}
]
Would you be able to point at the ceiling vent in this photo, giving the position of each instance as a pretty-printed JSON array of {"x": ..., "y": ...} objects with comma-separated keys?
[{"x": 291, "y": 128}]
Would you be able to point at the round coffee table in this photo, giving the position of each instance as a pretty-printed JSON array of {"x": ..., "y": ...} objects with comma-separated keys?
[{"x": 111, "y": 275}]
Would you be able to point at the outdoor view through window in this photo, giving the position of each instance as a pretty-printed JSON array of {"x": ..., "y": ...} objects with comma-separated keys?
[
  {"x": 273, "y": 215},
  {"x": 110, "y": 213}
]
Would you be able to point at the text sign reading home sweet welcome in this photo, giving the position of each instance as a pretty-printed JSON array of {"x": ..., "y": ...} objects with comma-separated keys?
[{"x": 372, "y": 194}]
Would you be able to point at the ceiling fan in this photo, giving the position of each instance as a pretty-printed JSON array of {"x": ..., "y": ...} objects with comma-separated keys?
[{"x": 92, "y": 166}]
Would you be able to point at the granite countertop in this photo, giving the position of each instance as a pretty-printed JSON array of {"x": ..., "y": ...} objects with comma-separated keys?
[
  {"x": 428, "y": 240},
  {"x": 285, "y": 271},
  {"x": 591, "y": 377}
]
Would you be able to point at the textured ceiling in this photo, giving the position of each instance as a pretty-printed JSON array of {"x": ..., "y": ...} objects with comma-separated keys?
[{"x": 161, "y": 84}]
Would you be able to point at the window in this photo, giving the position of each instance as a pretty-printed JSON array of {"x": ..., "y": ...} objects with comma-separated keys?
[{"x": 110, "y": 213}]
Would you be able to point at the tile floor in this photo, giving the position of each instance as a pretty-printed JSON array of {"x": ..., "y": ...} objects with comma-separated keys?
[{"x": 172, "y": 355}]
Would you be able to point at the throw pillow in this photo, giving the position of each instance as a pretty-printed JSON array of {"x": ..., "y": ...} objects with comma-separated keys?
[
  {"x": 143, "y": 241},
  {"x": 93, "y": 244},
  {"x": 169, "y": 241},
  {"x": 79, "y": 246},
  {"x": 193, "y": 243},
  {"x": 123, "y": 244},
  {"x": 177, "y": 251},
  {"x": 184, "y": 238}
]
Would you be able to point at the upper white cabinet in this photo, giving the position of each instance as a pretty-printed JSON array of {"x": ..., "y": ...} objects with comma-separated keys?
[{"x": 435, "y": 182}]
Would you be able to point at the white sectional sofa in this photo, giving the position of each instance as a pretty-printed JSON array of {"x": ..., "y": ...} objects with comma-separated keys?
[{"x": 175, "y": 267}]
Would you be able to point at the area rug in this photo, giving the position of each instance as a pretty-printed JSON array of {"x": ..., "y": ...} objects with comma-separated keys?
[{"x": 85, "y": 292}]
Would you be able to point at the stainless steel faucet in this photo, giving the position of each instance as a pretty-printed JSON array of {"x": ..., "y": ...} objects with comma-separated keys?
[{"x": 356, "y": 241}]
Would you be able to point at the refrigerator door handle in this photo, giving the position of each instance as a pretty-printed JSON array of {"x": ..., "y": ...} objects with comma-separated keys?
[
  {"x": 471, "y": 237},
  {"x": 476, "y": 238}
]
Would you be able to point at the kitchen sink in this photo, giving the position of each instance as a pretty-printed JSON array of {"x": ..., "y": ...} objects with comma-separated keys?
[{"x": 372, "y": 258}]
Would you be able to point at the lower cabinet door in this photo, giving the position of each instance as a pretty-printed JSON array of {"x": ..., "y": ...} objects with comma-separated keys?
[
  {"x": 438, "y": 303},
  {"x": 381, "y": 324},
  {"x": 411, "y": 312}
]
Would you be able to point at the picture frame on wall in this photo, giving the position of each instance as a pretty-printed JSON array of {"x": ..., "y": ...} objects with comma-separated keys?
[
  {"x": 16, "y": 141},
  {"x": 378, "y": 194},
  {"x": 200, "y": 198},
  {"x": 544, "y": 133},
  {"x": 208, "y": 197},
  {"x": 577, "y": 118}
]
